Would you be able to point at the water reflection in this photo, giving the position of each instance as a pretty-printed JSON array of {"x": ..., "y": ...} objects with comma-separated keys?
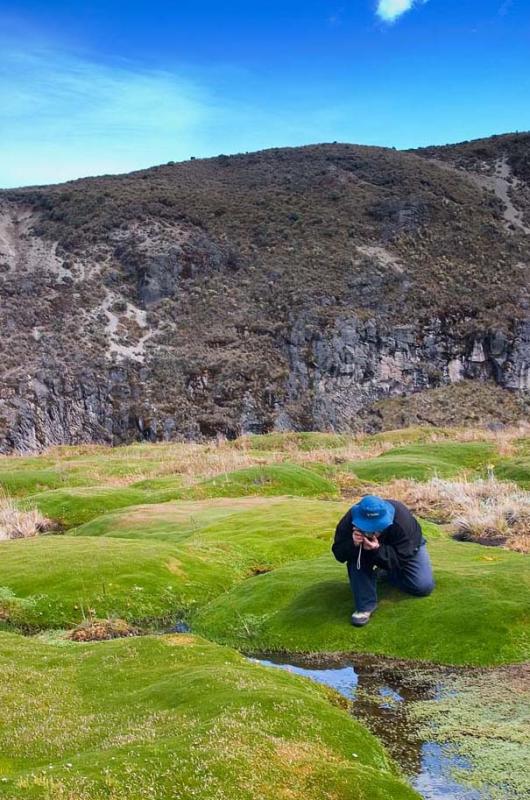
[{"x": 381, "y": 692}]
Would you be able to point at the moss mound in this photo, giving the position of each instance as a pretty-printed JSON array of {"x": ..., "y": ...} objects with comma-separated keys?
[
  {"x": 170, "y": 521},
  {"x": 259, "y": 574},
  {"x": 516, "y": 470},
  {"x": 276, "y": 479},
  {"x": 161, "y": 563},
  {"x": 175, "y": 716},
  {"x": 424, "y": 461},
  {"x": 304, "y": 441},
  {"x": 22, "y": 481},
  {"x": 477, "y": 615},
  {"x": 73, "y": 506},
  {"x": 54, "y": 582}
]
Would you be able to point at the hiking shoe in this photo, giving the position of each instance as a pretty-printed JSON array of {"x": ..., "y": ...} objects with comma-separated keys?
[{"x": 360, "y": 618}]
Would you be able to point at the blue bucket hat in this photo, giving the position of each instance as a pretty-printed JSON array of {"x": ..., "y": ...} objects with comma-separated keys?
[{"x": 372, "y": 514}]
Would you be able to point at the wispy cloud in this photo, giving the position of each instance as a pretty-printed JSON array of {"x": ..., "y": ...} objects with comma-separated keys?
[
  {"x": 390, "y": 10},
  {"x": 65, "y": 116}
]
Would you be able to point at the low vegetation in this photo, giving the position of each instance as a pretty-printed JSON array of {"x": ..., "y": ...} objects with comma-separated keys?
[
  {"x": 16, "y": 523},
  {"x": 233, "y": 540},
  {"x": 483, "y": 719},
  {"x": 100, "y": 630},
  {"x": 484, "y": 510},
  {"x": 175, "y": 716}
]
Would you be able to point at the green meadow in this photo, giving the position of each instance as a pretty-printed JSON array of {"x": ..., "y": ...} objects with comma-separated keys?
[{"x": 232, "y": 539}]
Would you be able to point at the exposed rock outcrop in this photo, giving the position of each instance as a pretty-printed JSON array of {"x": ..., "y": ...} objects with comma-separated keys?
[
  {"x": 277, "y": 290},
  {"x": 338, "y": 373}
]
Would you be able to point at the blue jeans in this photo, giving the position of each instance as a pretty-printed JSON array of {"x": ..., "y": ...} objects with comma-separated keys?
[{"x": 415, "y": 577}]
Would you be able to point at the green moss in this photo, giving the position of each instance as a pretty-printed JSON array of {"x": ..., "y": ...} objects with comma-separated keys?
[
  {"x": 304, "y": 441},
  {"x": 381, "y": 470},
  {"x": 68, "y": 578},
  {"x": 422, "y": 462},
  {"x": 154, "y": 716},
  {"x": 74, "y": 506},
  {"x": 153, "y": 563},
  {"x": 276, "y": 479},
  {"x": 485, "y": 716},
  {"x": 411, "y": 435},
  {"x": 249, "y": 567},
  {"x": 158, "y": 484},
  {"x": 19, "y": 482},
  {"x": 463, "y": 455},
  {"x": 172, "y": 521},
  {"x": 516, "y": 470},
  {"x": 263, "y": 577},
  {"x": 477, "y": 614}
]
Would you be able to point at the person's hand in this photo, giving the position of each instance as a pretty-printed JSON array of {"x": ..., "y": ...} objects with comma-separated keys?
[
  {"x": 357, "y": 537},
  {"x": 370, "y": 544}
]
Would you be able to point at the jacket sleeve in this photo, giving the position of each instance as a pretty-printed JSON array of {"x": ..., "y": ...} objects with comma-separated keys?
[
  {"x": 406, "y": 540},
  {"x": 343, "y": 547},
  {"x": 387, "y": 557}
]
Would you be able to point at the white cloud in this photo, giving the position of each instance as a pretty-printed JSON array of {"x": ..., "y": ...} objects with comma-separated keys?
[{"x": 390, "y": 10}]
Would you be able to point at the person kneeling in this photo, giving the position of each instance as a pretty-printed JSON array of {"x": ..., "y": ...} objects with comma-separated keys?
[{"x": 382, "y": 536}]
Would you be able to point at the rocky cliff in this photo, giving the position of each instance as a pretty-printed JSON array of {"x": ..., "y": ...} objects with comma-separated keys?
[{"x": 296, "y": 288}]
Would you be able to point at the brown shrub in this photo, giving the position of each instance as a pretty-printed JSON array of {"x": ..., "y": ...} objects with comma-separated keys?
[
  {"x": 18, "y": 524},
  {"x": 488, "y": 511},
  {"x": 99, "y": 630}
]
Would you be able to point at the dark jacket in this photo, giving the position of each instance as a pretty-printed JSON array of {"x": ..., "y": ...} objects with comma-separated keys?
[{"x": 397, "y": 543}]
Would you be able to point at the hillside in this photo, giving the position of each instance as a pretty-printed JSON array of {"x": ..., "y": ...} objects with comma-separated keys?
[{"x": 288, "y": 289}]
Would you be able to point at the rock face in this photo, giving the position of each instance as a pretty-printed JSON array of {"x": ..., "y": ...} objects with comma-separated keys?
[
  {"x": 358, "y": 363},
  {"x": 289, "y": 289}
]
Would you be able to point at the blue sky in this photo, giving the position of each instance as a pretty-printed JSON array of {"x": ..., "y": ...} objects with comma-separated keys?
[{"x": 108, "y": 86}]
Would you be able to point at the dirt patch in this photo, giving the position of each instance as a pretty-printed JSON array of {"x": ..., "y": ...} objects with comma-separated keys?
[
  {"x": 180, "y": 640},
  {"x": 259, "y": 569},
  {"x": 98, "y": 630},
  {"x": 175, "y": 567}
]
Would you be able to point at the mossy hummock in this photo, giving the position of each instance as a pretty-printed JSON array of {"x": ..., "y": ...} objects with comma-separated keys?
[{"x": 175, "y": 716}]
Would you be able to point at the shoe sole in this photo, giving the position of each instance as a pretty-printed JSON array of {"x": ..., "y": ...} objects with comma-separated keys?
[{"x": 362, "y": 624}]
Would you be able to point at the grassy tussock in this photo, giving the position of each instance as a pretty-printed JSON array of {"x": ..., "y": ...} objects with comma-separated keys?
[
  {"x": 190, "y": 462},
  {"x": 90, "y": 465},
  {"x": 506, "y": 440},
  {"x": 486, "y": 510},
  {"x": 17, "y": 524}
]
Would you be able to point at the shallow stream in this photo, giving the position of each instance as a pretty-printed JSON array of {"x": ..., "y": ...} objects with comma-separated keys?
[{"x": 382, "y": 694}]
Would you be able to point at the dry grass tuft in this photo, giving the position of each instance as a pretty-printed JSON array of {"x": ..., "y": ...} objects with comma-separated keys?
[
  {"x": 486, "y": 511},
  {"x": 506, "y": 439},
  {"x": 189, "y": 462},
  {"x": 17, "y": 524},
  {"x": 99, "y": 630}
]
